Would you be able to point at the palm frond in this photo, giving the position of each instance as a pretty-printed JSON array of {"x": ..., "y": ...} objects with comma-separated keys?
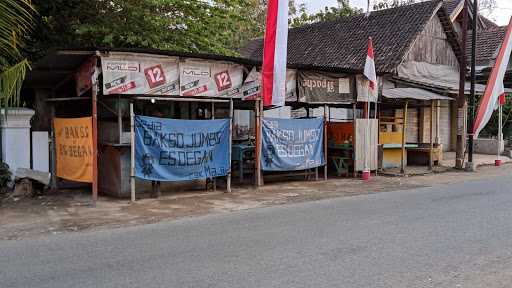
[
  {"x": 11, "y": 80},
  {"x": 16, "y": 20}
]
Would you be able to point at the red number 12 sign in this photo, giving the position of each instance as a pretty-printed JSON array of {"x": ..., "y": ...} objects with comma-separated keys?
[
  {"x": 223, "y": 80},
  {"x": 155, "y": 76}
]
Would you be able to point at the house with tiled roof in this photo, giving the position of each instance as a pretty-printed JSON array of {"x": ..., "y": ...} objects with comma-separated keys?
[
  {"x": 416, "y": 56},
  {"x": 488, "y": 44}
]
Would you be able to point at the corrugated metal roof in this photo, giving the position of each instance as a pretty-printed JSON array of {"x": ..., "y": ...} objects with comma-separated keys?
[{"x": 412, "y": 93}]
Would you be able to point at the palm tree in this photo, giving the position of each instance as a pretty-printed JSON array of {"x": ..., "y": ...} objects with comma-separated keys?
[{"x": 16, "y": 21}]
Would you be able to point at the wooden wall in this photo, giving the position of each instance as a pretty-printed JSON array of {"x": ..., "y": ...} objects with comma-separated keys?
[{"x": 432, "y": 46}]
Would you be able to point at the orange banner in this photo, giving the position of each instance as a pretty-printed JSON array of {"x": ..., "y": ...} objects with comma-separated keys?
[{"x": 74, "y": 148}]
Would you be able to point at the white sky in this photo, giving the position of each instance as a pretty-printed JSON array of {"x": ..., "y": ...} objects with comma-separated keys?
[{"x": 500, "y": 15}]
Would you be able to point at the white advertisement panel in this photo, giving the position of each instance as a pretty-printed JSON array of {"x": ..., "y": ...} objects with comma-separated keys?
[
  {"x": 212, "y": 79},
  {"x": 126, "y": 73}
]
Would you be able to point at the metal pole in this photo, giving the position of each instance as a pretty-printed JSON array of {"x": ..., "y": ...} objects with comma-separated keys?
[
  {"x": 473, "y": 80},
  {"x": 500, "y": 132},
  {"x": 461, "y": 99},
  {"x": 228, "y": 180},
  {"x": 132, "y": 152},
  {"x": 325, "y": 139},
  {"x": 404, "y": 127}
]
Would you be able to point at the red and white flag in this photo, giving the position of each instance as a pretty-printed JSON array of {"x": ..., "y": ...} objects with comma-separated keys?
[
  {"x": 495, "y": 91},
  {"x": 369, "y": 69},
  {"x": 275, "y": 48}
]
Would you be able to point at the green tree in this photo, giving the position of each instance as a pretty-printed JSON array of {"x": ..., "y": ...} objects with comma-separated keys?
[
  {"x": 182, "y": 25},
  {"x": 16, "y": 21},
  {"x": 386, "y": 4},
  {"x": 343, "y": 9}
]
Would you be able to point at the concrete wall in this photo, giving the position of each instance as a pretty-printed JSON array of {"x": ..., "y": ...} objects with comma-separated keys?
[{"x": 488, "y": 146}]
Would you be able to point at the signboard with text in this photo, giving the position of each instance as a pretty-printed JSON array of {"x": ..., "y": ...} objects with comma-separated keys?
[
  {"x": 74, "y": 148},
  {"x": 251, "y": 90},
  {"x": 181, "y": 150},
  {"x": 125, "y": 73},
  {"x": 320, "y": 87},
  {"x": 292, "y": 144},
  {"x": 212, "y": 79}
]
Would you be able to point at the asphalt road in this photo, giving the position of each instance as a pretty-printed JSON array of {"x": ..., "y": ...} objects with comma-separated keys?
[{"x": 447, "y": 236}]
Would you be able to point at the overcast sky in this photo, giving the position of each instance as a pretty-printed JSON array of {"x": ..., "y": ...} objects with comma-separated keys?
[{"x": 500, "y": 15}]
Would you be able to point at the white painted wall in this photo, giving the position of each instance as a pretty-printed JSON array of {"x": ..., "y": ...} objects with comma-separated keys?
[
  {"x": 16, "y": 137},
  {"x": 40, "y": 151}
]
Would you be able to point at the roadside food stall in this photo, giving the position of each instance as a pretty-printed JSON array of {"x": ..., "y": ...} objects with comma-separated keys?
[
  {"x": 115, "y": 88},
  {"x": 410, "y": 128},
  {"x": 159, "y": 100}
]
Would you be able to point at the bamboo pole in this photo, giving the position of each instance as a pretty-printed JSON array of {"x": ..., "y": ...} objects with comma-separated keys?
[
  {"x": 132, "y": 153},
  {"x": 404, "y": 127}
]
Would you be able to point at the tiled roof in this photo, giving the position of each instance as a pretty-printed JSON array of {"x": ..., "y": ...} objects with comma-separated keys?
[
  {"x": 488, "y": 43},
  {"x": 451, "y": 5},
  {"x": 341, "y": 44}
]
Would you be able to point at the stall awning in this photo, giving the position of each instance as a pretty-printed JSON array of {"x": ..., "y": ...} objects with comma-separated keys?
[{"x": 413, "y": 93}]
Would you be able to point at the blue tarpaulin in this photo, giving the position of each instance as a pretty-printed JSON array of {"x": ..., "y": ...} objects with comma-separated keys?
[
  {"x": 180, "y": 150},
  {"x": 292, "y": 144}
]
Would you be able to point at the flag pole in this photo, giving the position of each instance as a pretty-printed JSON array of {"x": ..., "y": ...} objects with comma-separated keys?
[{"x": 500, "y": 133}]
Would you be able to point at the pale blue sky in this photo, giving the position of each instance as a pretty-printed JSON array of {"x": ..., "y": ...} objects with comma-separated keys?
[{"x": 501, "y": 15}]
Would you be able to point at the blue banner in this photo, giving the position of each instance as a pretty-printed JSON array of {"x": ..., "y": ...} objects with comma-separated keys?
[
  {"x": 181, "y": 150},
  {"x": 292, "y": 144}
]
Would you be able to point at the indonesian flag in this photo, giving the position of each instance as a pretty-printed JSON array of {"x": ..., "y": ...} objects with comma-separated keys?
[
  {"x": 495, "y": 91},
  {"x": 369, "y": 69},
  {"x": 275, "y": 53}
]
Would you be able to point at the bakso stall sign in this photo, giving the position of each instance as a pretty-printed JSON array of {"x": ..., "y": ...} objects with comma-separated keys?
[
  {"x": 316, "y": 87},
  {"x": 181, "y": 150},
  {"x": 125, "y": 73},
  {"x": 73, "y": 145}
]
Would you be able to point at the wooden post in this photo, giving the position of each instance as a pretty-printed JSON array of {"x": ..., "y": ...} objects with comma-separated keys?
[
  {"x": 404, "y": 127},
  {"x": 257, "y": 164},
  {"x": 325, "y": 141},
  {"x": 53, "y": 148},
  {"x": 214, "y": 180},
  {"x": 119, "y": 119},
  {"x": 94, "y": 142},
  {"x": 228, "y": 179},
  {"x": 461, "y": 99},
  {"x": 132, "y": 153},
  {"x": 431, "y": 152},
  {"x": 438, "y": 119}
]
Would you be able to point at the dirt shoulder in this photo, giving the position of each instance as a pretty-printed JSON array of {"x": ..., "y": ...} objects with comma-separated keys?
[{"x": 70, "y": 211}]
